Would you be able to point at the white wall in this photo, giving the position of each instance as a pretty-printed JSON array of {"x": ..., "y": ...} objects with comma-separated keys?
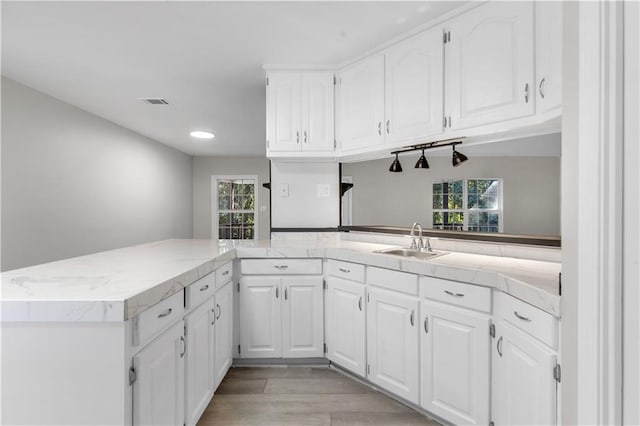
[
  {"x": 205, "y": 167},
  {"x": 531, "y": 190},
  {"x": 304, "y": 206},
  {"x": 74, "y": 183}
]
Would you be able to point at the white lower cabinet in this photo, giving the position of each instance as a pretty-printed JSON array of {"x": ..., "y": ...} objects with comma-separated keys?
[
  {"x": 392, "y": 336},
  {"x": 199, "y": 384},
  {"x": 455, "y": 363},
  {"x": 346, "y": 331},
  {"x": 260, "y": 317},
  {"x": 223, "y": 336},
  {"x": 158, "y": 392},
  {"x": 523, "y": 384},
  {"x": 281, "y": 317}
]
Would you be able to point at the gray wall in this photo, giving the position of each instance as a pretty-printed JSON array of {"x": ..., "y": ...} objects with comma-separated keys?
[
  {"x": 73, "y": 183},
  {"x": 205, "y": 167},
  {"x": 531, "y": 190}
]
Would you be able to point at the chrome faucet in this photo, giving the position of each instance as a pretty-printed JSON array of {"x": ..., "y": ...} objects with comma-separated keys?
[{"x": 419, "y": 244}]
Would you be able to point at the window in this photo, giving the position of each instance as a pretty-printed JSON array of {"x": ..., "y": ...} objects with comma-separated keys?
[
  {"x": 468, "y": 204},
  {"x": 235, "y": 207}
]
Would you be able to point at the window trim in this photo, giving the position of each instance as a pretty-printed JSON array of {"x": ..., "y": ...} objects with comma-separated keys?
[{"x": 214, "y": 202}]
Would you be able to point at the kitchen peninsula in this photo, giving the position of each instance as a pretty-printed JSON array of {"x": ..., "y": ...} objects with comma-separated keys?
[{"x": 93, "y": 315}]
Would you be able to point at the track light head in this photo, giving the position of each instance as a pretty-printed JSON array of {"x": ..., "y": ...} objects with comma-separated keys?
[
  {"x": 422, "y": 162},
  {"x": 457, "y": 158},
  {"x": 395, "y": 167}
]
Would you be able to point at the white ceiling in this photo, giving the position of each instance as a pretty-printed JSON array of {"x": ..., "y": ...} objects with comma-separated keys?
[{"x": 205, "y": 58}]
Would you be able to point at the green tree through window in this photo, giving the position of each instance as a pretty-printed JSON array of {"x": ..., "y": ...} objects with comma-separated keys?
[{"x": 236, "y": 209}]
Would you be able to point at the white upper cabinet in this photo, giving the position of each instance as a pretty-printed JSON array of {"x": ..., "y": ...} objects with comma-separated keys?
[
  {"x": 548, "y": 55},
  {"x": 361, "y": 104},
  {"x": 300, "y": 112},
  {"x": 414, "y": 88},
  {"x": 489, "y": 57}
]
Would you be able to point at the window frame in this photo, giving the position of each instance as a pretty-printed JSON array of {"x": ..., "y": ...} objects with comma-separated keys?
[
  {"x": 214, "y": 203},
  {"x": 465, "y": 210}
]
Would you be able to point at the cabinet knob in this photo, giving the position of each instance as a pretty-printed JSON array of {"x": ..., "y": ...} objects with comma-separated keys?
[
  {"x": 526, "y": 93},
  {"x": 298, "y": 137},
  {"x": 499, "y": 346},
  {"x": 360, "y": 303},
  {"x": 219, "y": 311},
  {"x": 305, "y": 136},
  {"x": 520, "y": 317},
  {"x": 454, "y": 294},
  {"x": 204, "y": 287},
  {"x": 165, "y": 313},
  {"x": 277, "y": 292},
  {"x": 184, "y": 346},
  {"x": 411, "y": 318},
  {"x": 213, "y": 311},
  {"x": 426, "y": 325},
  {"x": 379, "y": 128},
  {"x": 388, "y": 122}
]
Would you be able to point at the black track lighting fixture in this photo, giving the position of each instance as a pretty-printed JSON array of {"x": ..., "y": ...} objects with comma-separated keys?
[
  {"x": 395, "y": 167},
  {"x": 422, "y": 162},
  {"x": 457, "y": 158}
]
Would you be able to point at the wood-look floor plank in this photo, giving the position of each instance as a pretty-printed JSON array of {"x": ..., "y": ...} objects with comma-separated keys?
[
  {"x": 268, "y": 372},
  {"x": 255, "y": 418},
  {"x": 241, "y": 386},
  {"x": 313, "y": 385},
  {"x": 380, "y": 419}
]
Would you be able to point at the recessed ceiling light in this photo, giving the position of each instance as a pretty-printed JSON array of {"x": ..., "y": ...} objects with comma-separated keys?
[{"x": 199, "y": 134}]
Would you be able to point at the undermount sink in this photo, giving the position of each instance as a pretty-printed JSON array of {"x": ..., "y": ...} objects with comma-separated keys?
[{"x": 406, "y": 252}]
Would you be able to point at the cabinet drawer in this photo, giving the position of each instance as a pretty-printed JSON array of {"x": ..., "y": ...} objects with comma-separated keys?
[
  {"x": 281, "y": 266},
  {"x": 224, "y": 274},
  {"x": 528, "y": 318},
  {"x": 346, "y": 270},
  {"x": 455, "y": 293},
  {"x": 200, "y": 291},
  {"x": 158, "y": 318},
  {"x": 393, "y": 280}
]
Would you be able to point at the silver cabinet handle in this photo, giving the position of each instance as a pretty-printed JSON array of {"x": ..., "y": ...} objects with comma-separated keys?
[
  {"x": 379, "y": 128},
  {"x": 526, "y": 93},
  {"x": 184, "y": 346},
  {"x": 204, "y": 287},
  {"x": 346, "y": 271},
  {"x": 285, "y": 294},
  {"x": 444, "y": 122},
  {"x": 360, "y": 303},
  {"x": 520, "y": 317},
  {"x": 426, "y": 325},
  {"x": 165, "y": 313},
  {"x": 541, "y": 87},
  {"x": 219, "y": 311},
  {"x": 411, "y": 318},
  {"x": 298, "y": 137},
  {"x": 388, "y": 126},
  {"x": 281, "y": 267},
  {"x": 499, "y": 346},
  {"x": 277, "y": 292},
  {"x": 305, "y": 136},
  {"x": 454, "y": 294},
  {"x": 225, "y": 273},
  {"x": 213, "y": 311}
]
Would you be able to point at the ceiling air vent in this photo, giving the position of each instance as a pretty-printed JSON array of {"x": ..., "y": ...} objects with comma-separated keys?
[{"x": 154, "y": 101}]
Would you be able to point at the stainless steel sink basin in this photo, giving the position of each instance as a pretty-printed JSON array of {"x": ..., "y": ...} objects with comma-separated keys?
[{"x": 405, "y": 252}]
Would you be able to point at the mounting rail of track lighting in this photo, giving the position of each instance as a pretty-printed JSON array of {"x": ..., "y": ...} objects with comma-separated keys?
[{"x": 456, "y": 159}]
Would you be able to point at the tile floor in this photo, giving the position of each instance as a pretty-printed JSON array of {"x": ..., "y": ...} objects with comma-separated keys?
[{"x": 252, "y": 396}]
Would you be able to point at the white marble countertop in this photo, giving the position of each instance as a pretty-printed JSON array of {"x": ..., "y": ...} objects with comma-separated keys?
[{"x": 118, "y": 284}]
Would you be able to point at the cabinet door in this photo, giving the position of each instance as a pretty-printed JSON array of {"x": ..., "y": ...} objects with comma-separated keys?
[
  {"x": 455, "y": 363},
  {"x": 361, "y": 105},
  {"x": 392, "y": 334},
  {"x": 302, "y": 320},
  {"x": 158, "y": 392},
  {"x": 346, "y": 324},
  {"x": 489, "y": 65},
  {"x": 283, "y": 112},
  {"x": 317, "y": 112},
  {"x": 260, "y": 317},
  {"x": 414, "y": 87},
  {"x": 548, "y": 55},
  {"x": 523, "y": 386},
  {"x": 199, "y": 360},
  {"x": 224, "y": 332}
]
